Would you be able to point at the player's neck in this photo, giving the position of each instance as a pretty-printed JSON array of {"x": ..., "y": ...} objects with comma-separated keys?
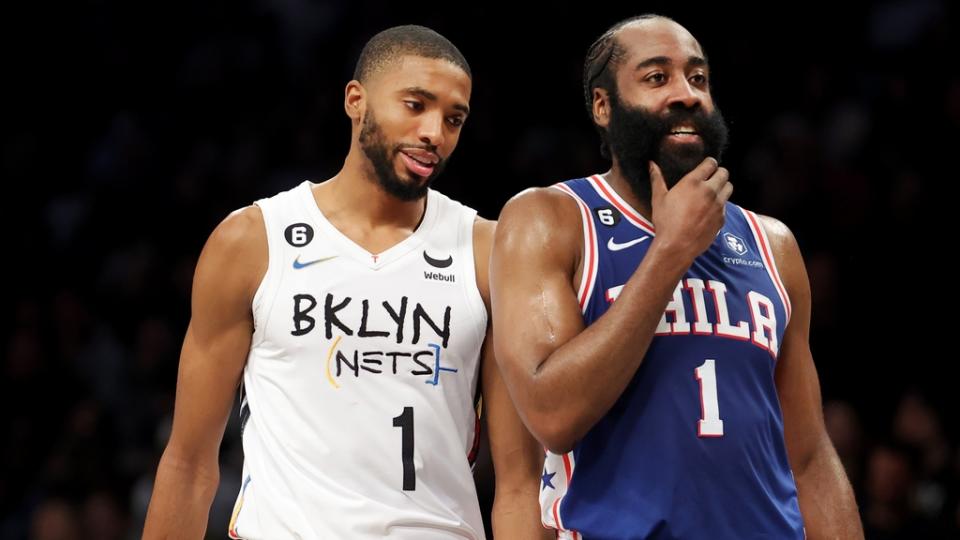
[
  {"x": 619, "y": 182},
  {"x": 354, "y": 194}
]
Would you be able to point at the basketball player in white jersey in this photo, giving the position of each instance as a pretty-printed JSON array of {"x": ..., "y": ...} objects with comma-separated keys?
[{"x": 355, "y": 313}]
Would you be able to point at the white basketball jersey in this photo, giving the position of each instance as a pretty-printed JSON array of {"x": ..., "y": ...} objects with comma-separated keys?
[{"x": 358, "y": 411}]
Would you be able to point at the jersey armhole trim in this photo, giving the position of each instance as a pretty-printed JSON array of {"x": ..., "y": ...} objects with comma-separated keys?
[
  {"x": 760, "y": 237},
  {"x": 471, "y": 289},
  {"x": 590, "y": 250},
  {"x": 263, "y": 299},
  {"x": 610, "y": 195}
]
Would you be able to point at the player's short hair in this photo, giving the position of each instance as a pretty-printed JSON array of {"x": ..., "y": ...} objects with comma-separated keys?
[
  {"x": 389, "y": 46},
  {"x": 600, "y": 67}
]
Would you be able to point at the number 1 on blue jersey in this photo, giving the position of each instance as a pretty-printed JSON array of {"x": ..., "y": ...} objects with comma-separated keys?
[{"x": 710, "y": 424}]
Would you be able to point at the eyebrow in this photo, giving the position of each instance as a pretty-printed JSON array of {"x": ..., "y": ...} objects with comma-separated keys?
[
  {"x": 692, "y": 61},
  {"x": 430, "y": 96}
]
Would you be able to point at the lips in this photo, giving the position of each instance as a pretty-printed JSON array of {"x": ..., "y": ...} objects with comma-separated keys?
[
  {"x": 421, "y": 163},
  {"x": 684, "y": 130},
  {"x": 684, "y": 134},
  {"x": 425, "y": 157}
]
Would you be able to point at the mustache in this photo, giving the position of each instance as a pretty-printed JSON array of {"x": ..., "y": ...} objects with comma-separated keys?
[
  {"x": 428, "y": 147},
  {"x": 677, "y": 117}
]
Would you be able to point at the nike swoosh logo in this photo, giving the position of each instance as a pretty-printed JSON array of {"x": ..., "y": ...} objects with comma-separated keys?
[
  {"x": 438, "y": 263},
  {"x": 613, "y": 246},
  {"x": 298, "y": 265}
]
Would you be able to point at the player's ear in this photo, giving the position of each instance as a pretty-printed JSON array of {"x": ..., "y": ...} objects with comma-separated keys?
[
  {"x": 601, "y": 107},
  {"x": 355, "y": 100}
]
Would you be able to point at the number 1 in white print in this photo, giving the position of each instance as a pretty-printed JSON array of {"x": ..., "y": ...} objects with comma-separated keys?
[{"x": 710, "y": 424}]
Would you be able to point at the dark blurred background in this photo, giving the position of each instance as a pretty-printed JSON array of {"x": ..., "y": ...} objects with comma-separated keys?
[{"x": 130, "y": 129}]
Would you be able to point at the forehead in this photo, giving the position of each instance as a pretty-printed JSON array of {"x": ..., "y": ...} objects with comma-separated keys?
[
  {"x": 643, "y": 40},
  {"x": 440, "y": 77}
]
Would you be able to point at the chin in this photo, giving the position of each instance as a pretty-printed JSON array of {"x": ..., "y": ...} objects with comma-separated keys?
[{"x": 410, "y": 178}]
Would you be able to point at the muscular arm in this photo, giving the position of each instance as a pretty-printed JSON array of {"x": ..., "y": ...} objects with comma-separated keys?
[
  {"x": 564, "y": 377},
  {"x": 826, "y": 498},
  {"x": 211, "y": 362},
  {"x": 517, "y": 456}
]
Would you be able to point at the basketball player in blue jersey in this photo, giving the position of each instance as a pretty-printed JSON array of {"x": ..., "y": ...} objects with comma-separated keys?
[
  {"x": 653, "y": 335},
  {"x": 355, "y": 313}
]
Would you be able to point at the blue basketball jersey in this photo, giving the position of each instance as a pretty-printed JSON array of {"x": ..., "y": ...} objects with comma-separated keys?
[{"x": 694, "y": 447}]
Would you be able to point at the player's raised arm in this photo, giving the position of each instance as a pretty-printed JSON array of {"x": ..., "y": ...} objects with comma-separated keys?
[{"x": 563, "y": 376}]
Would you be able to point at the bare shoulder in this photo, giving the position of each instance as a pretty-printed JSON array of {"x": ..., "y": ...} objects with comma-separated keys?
[
  {"x": 541, "y": 207},
  {"x": 541, "y": 219},
  {"x": 786, "y": 253},
  {"x": 483, "y": 231},
  {"x": 235, "y": 255},
  {"x": 782, "y": 241},
  {"x": 540, "y": 228},
  {"x": 240, "y": 228},
  {"x": 780, "y": 236}
]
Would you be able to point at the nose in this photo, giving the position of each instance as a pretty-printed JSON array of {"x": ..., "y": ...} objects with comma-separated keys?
[
  {"x": 430, "y": 130},
  {"x": 682, "y": 94}
]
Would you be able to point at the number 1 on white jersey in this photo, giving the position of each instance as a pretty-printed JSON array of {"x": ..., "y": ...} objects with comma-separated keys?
[{"x": 405, "y": 423}]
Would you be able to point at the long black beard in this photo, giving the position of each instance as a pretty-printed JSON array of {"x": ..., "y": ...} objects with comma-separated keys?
[
  {"x": 381, "y": 156},
  {"x": 637, "y": 136}
]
